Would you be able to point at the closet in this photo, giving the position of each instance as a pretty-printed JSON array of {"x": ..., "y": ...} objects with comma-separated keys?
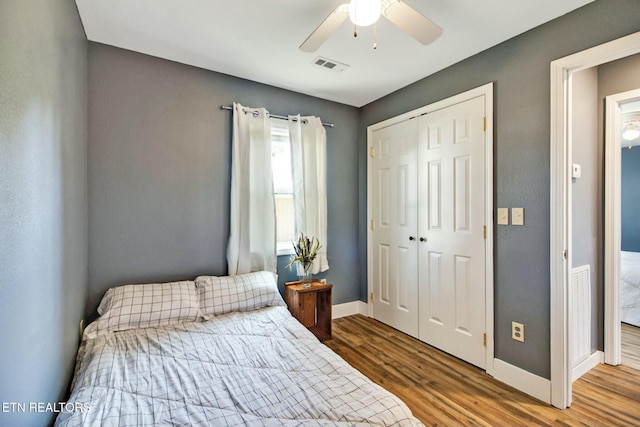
[{"x": 429, "y": 174}]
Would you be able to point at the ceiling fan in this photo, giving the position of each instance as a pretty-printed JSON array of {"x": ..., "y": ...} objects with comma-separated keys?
[{"x": 363, "y": 13}]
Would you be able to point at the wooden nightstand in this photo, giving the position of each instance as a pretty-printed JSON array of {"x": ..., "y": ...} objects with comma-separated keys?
[{"x": 311, "y": 306}]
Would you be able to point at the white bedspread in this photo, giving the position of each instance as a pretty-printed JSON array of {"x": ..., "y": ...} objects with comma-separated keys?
[
  {"x": 258, "y": 368},
  {"x": 630, "y": 288}
]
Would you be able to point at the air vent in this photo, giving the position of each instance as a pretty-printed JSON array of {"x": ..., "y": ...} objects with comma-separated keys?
[
  {"x": 580, "y": 313},
  {"x": 329, "y": 64}
]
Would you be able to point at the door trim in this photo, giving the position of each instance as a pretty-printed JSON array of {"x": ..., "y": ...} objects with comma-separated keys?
[
  {"x": 560, "y": 203},
  {"x": 486, "y": 91}
]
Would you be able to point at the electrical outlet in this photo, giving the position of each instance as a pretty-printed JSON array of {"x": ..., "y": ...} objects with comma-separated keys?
[{"x": 517, "y": 331}]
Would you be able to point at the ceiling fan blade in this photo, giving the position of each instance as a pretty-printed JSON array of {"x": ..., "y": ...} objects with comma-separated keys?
[
  {"x": 324, "y": 30},
  {"x": 411, "y": 21}
]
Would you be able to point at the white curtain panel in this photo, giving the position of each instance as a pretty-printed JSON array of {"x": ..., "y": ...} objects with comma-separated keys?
[
  {"x": 309, "y": 164},
  {"x": 252, "y": 235}
]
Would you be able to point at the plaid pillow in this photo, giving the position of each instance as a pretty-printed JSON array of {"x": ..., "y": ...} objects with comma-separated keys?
[
  {"x": 244, "y": 292},
  {"x": 144, "y": 306}
]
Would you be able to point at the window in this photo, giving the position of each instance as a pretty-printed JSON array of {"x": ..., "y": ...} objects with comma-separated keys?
[
  {"x": 298, "y": 157},
  {"x": 282, "y": 186}
]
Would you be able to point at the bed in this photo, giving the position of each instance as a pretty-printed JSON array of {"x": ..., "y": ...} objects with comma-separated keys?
[
  {"x": 231, "y": 355},
  {"x": 630, "y": 288}
]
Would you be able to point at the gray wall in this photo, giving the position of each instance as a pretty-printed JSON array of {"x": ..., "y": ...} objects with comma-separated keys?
[
  {"x": 630, "y": 193},
  {"x": 43, "y": 202},
  {"x": 618, "y": 76},
  {"x": 159, "y": 171},
  {"x": 520, "y": 69},
  {"x": 587, "y": 191}
]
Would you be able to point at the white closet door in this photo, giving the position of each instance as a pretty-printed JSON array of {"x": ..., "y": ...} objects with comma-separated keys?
[
  {"x": 394, "y": 225},
  {"x": 451, "y": 226}
]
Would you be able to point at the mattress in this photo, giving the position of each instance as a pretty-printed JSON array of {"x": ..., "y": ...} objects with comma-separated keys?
[
  {"x": 630, "y": 288},
  {"x": 259, "y": 368}
]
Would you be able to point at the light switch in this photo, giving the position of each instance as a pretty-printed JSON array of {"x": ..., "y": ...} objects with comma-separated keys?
[
  {"x": 517, "y": 216},
  {"x": 576, "y": 171},
  {"x": 503, "y": 216}
]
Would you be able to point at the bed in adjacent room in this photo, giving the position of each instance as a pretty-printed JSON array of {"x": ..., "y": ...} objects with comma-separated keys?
[
  {"x": 219, "y": 351},
  {"x": 630, "y": 288}
]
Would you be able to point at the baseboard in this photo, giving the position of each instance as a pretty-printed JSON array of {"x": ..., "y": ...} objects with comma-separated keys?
[
  {"x": 525, "y": 381},
  {"x": 586, "y": 365},
  {"x": 348, "y": 309}
]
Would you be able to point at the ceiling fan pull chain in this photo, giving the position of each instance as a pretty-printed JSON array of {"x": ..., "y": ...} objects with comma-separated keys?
[
  {"x": 355, "y": 26},
  {"x": 375, "y": 36}
]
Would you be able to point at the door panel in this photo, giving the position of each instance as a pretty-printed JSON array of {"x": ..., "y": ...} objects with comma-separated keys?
[
  {"x": 451, "y": 219},
  {"x": 434, "y": 304},
  {"x": 435, "y": 194},
  {"x": 383, "y": 273},
  {"x": 394, "y": 201},
  {"x": 462, "y": 266},
  {"x": 461, "y": 193}
]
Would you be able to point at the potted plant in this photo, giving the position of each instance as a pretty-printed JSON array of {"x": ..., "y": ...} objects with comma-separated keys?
[{"x": 306, "y": 251}]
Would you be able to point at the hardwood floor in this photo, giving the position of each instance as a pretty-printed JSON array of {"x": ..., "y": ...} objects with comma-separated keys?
[
  {"x": 444, "y": 391},
  {"x": 630, "y": 338}
]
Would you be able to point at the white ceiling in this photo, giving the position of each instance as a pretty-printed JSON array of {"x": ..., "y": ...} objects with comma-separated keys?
[{"x": 258, "y": 40}]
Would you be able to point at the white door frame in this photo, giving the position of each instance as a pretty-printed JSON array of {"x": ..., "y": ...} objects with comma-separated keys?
[
  {"x": 613, "y": 223},
  {"x": 560, "y": 203},
  {"x": 486, "y": 91}
]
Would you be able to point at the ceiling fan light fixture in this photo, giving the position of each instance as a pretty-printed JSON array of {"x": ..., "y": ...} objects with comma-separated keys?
[
  {"x": 364, "y": 12},
  {"x": 631, "y": 126},
  {"x": 630, "y": 134}
]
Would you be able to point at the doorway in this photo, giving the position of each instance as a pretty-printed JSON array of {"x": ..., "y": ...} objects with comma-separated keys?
[
  {"x": 561, "y": 208},
  {"x": 621, "y": 256}
]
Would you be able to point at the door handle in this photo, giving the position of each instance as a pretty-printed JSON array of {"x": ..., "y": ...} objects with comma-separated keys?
[
  {"x": 412, "y": 238},
  {"x": 423, "y": 239}
]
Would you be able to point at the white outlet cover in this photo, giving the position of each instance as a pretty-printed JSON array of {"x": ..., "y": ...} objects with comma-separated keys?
[{"x": 517, "y": 331}]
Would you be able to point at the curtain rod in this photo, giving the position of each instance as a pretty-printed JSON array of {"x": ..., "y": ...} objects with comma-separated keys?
[{"x": 274, "y": 116}]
